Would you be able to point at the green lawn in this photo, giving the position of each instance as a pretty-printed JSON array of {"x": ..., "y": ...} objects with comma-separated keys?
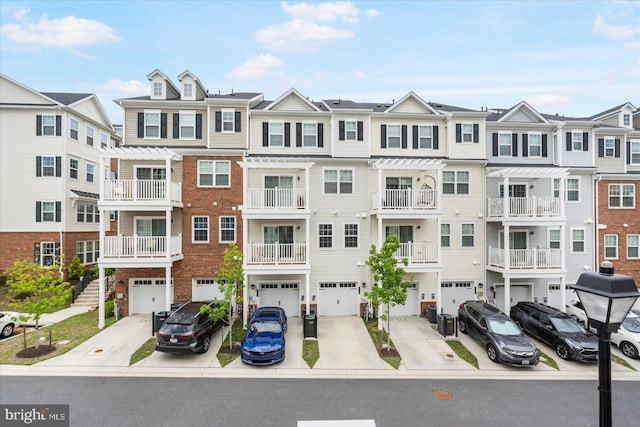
[
  {"x": 379, "y": 337},
  {"x": 463, "y": 353},
  {"x": 310, "y": 352}
]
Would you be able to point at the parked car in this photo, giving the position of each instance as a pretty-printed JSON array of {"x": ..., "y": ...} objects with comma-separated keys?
[
  {"x": 9, "y": 320},
  {"x": 628, "y": 336},
  {"x": 556, "y": 329},
  {"x": 498, "y": 334},
  {"x": 186, "y": 330},
  {"x": 264, "y": 342},
  {"x": 271, "y": 313},
  {"x": 575, "y": 309}
]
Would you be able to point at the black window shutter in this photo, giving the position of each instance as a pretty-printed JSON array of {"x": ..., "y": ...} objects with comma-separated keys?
[
  {"x": 341, "y": 130},
  {"x": 404, "y": 136},
  {"x": 494, "y": 138},
  {"x": 585, "y": 141},
  {"x": 458, "y": 132},
  {"x": 238, "y": 121},
  {"x": 544, "y": 145},
  {"x": 525, "y": 145},
  {"x": 569, "y": 141},
  {"x": 383, "y": 136},
  {"x": 628, "y": 152},
  {"x": 617, "y": 148},
  {"x": 320, "y": 135},
  {"x": 38, "y": 211},
  {"x": 176, "y": 125},
  {"x": 298, "y": 134},
  {"x": 287, "y": 134},
  {"x": 476, "y": 133},
  {"x": 601, "y": 147},
  {"x": 140, "y": 125},
  {"x": 435, "y": 138},
  {"x": 58, "y": 166},
  {"x": 415, "y": 137},
  {"x": 198, "y": 126},
  {"x": 58, "y": 125},
  {"x": 218, "y": 121},
  {"x": 38, "y": 165},
  {"x": 38, "y": 125},
  {"x": 265, "y": 134},
  {"x": 514, "y": 145},
  {"x": 163, "y": 125},
  {"x": 58, "y": 211},
  {"x": 360, "y": 131}
]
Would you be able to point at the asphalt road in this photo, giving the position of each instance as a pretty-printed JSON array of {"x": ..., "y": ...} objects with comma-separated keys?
[{"x": 139, "y": 402}]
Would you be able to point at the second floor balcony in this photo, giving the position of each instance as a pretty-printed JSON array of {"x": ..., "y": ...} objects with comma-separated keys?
[
  {"x": 405, "y": 199},
  {"x": 142, "y": 191},
  {"x": 141, "y": 247},
  {"x": 276, "y": 198},
  {"x": 276, "y": 253},
  {"x": 418, "y": 253},
  {"x": 525, "y": 259},
  {"x": 525, "y": 208}
]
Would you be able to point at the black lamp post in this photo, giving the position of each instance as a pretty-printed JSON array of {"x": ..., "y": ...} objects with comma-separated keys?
[{"x": 607, "y": 299}]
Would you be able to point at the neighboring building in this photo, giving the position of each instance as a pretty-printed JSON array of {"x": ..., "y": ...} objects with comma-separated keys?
[{"x": 49, "y": 173}]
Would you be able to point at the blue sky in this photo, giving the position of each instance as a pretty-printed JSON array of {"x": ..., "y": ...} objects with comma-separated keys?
[{"x": 576, "y": 58}]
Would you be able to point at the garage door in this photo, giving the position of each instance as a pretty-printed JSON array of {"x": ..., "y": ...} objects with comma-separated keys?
[
  {"x": 517, "y": 292},
  {"x": 146, "y": 296},
  {"x": 338, "y": 299},
  {"x": 410, "y": 307},
  {"x": 283, "y": 295},
  {"x": 205, "y": 290},
  {"x": 555, "y": 297},
  {"x": 455, "y": 293}
]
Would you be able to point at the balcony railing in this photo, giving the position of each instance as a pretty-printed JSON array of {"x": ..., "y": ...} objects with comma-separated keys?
[
  {"x": 140, "y": 247},
  {"x": 407, "y": 199},
  {"x": 276, "y": 253},
  {"x": 536, "y": 259},
  {"x": 276, "y": 198},
  {"x": 140, "y": 190},
  {"x": 540, "y": 207},
  {"x": 417, "y": 253}
]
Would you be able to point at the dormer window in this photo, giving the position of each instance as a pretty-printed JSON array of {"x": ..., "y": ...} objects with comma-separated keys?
[
  {"x": 157, "y": 89},
  {"x": 626, "y": 120},
  {"x": 188, "y": 90}
]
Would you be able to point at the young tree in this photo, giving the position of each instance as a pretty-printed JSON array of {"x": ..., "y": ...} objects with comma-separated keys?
[
  {"x": 76, "y": 269},
  {"x": 231, "y": 275},
  {"x": 390, "y": 288},
  {"x": 42, "y": 287}
]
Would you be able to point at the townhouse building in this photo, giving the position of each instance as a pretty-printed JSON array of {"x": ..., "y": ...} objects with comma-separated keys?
[{"x": 49, "y": 174}]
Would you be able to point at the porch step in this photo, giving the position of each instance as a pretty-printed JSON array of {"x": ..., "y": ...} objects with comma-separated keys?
[{"x": 90, "y": 297}]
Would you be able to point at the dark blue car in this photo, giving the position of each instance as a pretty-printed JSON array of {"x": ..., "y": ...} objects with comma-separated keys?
[
  {"x": 264, "y": 343},
  {"x": 270, "y": 313}
]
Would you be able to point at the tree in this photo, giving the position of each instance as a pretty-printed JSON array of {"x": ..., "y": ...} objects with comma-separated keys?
[
  {"x": 230, "y": 275},
  {"x": 42, "y": 288},
  {"x": 76, "y": 269},
  {"x": 390, "y": 289}
]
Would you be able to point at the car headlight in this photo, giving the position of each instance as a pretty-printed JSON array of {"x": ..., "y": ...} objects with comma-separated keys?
[{"x": 575, "y": 345}]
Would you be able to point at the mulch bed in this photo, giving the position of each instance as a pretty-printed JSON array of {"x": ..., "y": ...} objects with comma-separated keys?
[
  {"x": 30, "y": 352},
  {"x": 233, "y": 350},
  {"x": 388, "y": 352}
]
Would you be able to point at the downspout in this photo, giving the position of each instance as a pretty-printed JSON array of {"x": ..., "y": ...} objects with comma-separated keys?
[
  {"x": 596, "y": 223},
  {"x": 63, "y": 213}
]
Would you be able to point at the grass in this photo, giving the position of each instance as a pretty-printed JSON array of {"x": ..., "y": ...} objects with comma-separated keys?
[
  {"x": 463, "y": 353},
  {"x": 310, "y": 352},
  {"x": 548, "y": 360},
  {"x": 621, "y": 361},
  {"x": 379, "y": 338},
  {"x": 144, "y": 351},
  {"x": 237, "y": 333},
  {"x": 76, "y": 330}
]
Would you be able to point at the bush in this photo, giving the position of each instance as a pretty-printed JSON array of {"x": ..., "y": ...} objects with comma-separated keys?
[
  {"x": 76, "y": 269},
  {"x": 3, "y": 280},
  {"x": 108, "y": 308}
]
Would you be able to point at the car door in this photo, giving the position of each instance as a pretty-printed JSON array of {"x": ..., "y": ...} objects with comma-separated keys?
[
  {"x": 544, "y": 330},
  {"x": 472, "y": 322}
]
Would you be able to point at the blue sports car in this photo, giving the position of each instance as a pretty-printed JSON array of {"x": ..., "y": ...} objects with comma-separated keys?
[
  {"x": 264, "y": 343},
  {"x": 270, "y": 313}
]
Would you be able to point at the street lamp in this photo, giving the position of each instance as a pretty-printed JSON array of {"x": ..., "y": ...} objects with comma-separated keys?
[{"x": 607, "y": 299}]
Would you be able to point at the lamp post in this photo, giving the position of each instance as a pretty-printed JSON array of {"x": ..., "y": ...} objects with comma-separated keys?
[{"x": 607, "y": 299}]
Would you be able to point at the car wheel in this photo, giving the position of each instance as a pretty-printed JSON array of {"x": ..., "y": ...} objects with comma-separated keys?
[
  {"x": 563, "y": 351},
  {"x": 629, "y": 349},
  {"x": 7, "y": 330},
  {"x": 206, "y": 344},
  {"x": 462, "y": 325},
  {"x": 492, "y": 353}
]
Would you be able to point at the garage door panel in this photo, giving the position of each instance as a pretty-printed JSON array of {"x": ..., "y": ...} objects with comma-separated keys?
[
  {"x": 205, "y": 290},
  {"x": 338, "y": 299},
  {"x": 284, "y": 295},
  {"x": 410, "y": 307},
  {"x": 455, "y": 293},
  {"x": 146, "y": 296}
]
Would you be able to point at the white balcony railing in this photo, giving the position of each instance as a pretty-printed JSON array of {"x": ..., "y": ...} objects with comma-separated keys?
[
  {"x": 276, "y": 198},
  {"x": 417, "y": 253},
  {"x": 536, "y": 259},
  {"x": 138, "y": 246},
  {"x": 276, "y": 253},
  {"x": 540, "y": 207},
  {"x": 407, "y": 199},
  {"x": 140, "y": 190}
]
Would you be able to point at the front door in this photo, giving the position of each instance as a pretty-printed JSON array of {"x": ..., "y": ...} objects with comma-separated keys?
[{"x": 278, "y": 191}]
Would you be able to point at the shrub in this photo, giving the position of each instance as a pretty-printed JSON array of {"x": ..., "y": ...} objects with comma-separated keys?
[
  {"x": 3, "y": 280},
  {"x": 108, "y": 308},
  {"x": 76, "y": 269}
]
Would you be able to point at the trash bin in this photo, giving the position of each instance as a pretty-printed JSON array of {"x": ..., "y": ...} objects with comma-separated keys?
[
  {"x": 159, "y": 319},
  {"x": 432, "y": 314},
  {"x": 310, "y": 327},
  {"x": 445, "y": 324}
]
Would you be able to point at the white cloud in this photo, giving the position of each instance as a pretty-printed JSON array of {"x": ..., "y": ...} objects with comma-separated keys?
[
  {"x": 255, "y": 67},
  {"x": 64, "y": 32},
  {"x": 614, "y": 32},
  {"x": 324, "y": 12},
  {"x": 291, "y": 34},
  {"x": 360, "y": 75},
  {"x": 372, "y": 13},
  {"x": 21, "y": 13},
  {"x": 548, "y": 100}
]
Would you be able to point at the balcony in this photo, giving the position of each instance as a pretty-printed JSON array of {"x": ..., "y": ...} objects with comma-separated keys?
[
  {"x": 407, "y": 199},
  {"x": 276, "y": 199},
  {"x": 417, "y": 253},
  {"x": 526, "y": 259},
  {"x": 141, "y": 191},
  {"x": 276, "y": 254},
  {"x": 526, "y": 208},
  {"x": 139, "y": 247}
]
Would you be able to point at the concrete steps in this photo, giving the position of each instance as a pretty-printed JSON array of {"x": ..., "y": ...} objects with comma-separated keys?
[{"x": 90, "y": 297}]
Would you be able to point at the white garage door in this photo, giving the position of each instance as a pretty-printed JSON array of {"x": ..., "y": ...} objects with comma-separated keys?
[
  {"x": 555, "y": 297},
  {"x": 205, "y": 290},
  {"x": 454, "y": 294},
  {"x": 517, "y": 292},
  {"x": 338, "y": 299},
  {"x": 410, "y": 307},
  {"x": 147, "y": 296},
  {"x": 283, "y": 295}
]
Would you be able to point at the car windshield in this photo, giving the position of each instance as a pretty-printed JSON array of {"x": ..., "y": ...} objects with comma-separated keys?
[
  {"x": 504, "y": 327},
  {"x": 567, "y": 325},
  {"x": 632, "y": 324},
  {"x": 265, "y": 327}
]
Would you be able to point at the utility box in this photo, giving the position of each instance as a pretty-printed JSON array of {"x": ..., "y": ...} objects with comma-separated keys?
[
  {"x": 432, "y": 314},
  {"x": 310, "y": 327},
  {"x": 445, "y": 324}
]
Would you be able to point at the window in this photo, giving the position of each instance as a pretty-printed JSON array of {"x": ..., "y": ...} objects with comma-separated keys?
[
  {"x": 188, "y": 90},
  {"x": 394, "y": 136},
  {"x": 47, "y": 253},
  {"x": 87, "y": 212},
  {"x": 576, "y": 141},
  {"x": 455, "y": 182},
  {"x": 338, "y": 181},
  {"x": 88, "y": 251},
  {"x": 425, "y": 137},
  {"x": 309, "y": 134},
  {"x": 276, "y": 134},
  {"x": 622, "y": 195},
  {"x": 152, "y": 124},
  {"x": 227, "y": 120},
  {"x": 554, "y": 239},
  {"x": 214, "y": 173},
  {"x": 445, "y": 235},
  {"x": 187, "y": 125},
  {"x": 504, "y": 144},
  {"x": 227, "y": 229},
  {"x": 48, "y": 211},
  {"x": 48, "y": 125},
  {"x": 633, "y": 246},
  {"x": 351, "y": 130},
  {"x": 73, "y": 168},
  {"x": 577, "y": 240},
  {"x": 467, "y": 132},
  {"x": 573, "y": 190},
  {"x": 609, "y": 146},
  {"x": 48, "y": 166},
  {"x": 351, "y": 235},
  {"x": 104, "y": 140},
  {"x": 634, "y": 152},
  {"x": 90, "y": 172},
  {"x": 467, "y": 234},
  {"x": 611, "y": 246},
  {"x": 535, "y": 144},
  {"x": 200, "y": 229},
  {"x": 73, "y": 129},
  {"x": 626, "y": 120},
  {"x": 325, "y": 235},
  {"x": 89, "y": 136},
  {"x": 157, "y": 89}
]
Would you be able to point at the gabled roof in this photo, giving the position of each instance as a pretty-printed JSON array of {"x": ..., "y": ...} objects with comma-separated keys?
[
  {"x": 611, "y": 111},
  {"x": 292, "y": 93},
  {"x": 67, "y": 98},
  {"x": 199, "y": 85},
  {"x": 45, "y": 99},
  {"x": 164, "y": 76},
  {"x": 412, "y": 95},
  {"x": 523, "y": 107}
]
